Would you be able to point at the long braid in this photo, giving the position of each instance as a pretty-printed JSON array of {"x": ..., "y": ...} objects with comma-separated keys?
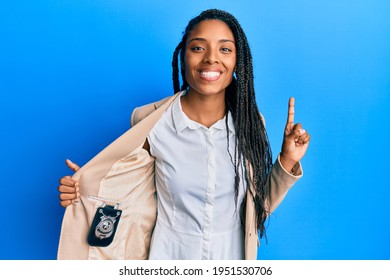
[
  {"x": 252, "y": 143},
  {"x": 175, "y": 72}
]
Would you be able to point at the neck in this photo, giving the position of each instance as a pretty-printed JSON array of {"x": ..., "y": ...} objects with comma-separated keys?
[{"x": 204, "y": 109}]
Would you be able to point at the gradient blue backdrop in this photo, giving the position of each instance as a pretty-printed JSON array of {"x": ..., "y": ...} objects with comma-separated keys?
[{"x": 72, "y": 71}]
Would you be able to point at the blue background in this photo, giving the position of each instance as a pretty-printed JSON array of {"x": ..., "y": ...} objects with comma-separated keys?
[{"x": 72, "y": 71}]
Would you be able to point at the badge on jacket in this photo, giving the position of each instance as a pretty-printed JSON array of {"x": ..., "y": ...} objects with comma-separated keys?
[{"x": 104, "y": 225}]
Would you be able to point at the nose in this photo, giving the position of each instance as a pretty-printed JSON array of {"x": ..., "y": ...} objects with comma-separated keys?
[{"x": 211, "y": 56}]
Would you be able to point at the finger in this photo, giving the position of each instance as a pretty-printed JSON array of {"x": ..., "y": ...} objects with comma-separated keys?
[
  {"x": 304, "y": 138},
  {"x": 295, "y": 132},
  {"x": 73, "y": 166},
  {"x": 298, "y": 127},
  {"x": 65, "y": 203},
  {"x": 68, "y": 181},
  {"x": 67, "y": 189},
  {"x": 68, "y": 196},
  {"x": 291, "y": 114}
]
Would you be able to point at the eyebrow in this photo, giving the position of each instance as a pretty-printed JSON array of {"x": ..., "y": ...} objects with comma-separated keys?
[{"x": 204, "y": 40}]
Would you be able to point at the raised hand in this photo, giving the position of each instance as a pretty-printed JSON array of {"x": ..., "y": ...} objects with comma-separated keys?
[
  {"x": 295, "y": 140},
  {"x": 69, "y": 188}
]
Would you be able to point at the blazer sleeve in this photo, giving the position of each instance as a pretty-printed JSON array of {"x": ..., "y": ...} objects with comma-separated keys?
[{"x": 280, "y": 182}]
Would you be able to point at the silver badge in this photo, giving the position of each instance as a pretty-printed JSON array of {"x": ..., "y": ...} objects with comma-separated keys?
[{"x": 105, "y": 228}]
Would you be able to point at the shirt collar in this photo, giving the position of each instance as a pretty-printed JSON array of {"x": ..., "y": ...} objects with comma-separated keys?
[{"x": 181, "y": 121}]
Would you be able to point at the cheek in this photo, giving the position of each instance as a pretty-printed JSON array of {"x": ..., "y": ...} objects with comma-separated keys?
[
  {"x": 189, "y": 66},
  {"x": 231, "y": 69},
  {"x": 233, "y": 64},
  {"x": 184, "y": 66},
  {"x": 189, "y": 76},
  {"x": 187, "y": 72}
]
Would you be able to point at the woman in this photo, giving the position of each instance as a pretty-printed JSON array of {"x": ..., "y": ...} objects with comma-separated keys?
[{"x": 206, "y": 152}]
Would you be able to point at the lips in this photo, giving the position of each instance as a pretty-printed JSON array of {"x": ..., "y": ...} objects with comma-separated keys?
[{"x": 210, "y": 75}]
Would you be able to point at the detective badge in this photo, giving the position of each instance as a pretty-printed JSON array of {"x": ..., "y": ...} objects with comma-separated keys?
[{"x": 104, "y": 224}]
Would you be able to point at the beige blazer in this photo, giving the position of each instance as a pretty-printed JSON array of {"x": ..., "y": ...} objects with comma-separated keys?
[{"x": 124, "y": 172}]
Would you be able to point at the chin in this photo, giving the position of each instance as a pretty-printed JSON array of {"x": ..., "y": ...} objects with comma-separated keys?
[{"x": 209, "y": 90}]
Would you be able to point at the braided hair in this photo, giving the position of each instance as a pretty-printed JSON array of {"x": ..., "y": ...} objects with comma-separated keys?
[{"x": 252, "y": 143}]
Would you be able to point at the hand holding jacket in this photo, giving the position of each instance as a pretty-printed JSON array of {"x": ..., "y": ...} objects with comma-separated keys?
[{"x": 69, "y": 187}]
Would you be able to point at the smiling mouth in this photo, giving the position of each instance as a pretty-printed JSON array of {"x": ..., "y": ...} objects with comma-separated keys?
[{"x": 210, "y": 75}]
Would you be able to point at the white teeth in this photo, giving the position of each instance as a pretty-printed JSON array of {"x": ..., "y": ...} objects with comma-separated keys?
[{"x": 210, "y": 74}]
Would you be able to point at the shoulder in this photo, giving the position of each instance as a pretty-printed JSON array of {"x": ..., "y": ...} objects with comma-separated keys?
[{"x": 141, "y": 112}]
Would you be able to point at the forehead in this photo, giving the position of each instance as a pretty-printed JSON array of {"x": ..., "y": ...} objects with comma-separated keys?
[{"x": 212, "y": 28}]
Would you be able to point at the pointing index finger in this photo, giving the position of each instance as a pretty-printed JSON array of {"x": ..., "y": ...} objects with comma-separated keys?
[{"x": 291, "y": 113}]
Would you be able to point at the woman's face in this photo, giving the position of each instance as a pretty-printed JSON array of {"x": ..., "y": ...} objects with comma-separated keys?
[{"x": 210, "y": 57}]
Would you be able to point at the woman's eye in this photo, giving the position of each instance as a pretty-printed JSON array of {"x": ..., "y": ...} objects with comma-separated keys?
[
  {"x": 197, "y": 49},
  {"x": 226, "y": 50}
]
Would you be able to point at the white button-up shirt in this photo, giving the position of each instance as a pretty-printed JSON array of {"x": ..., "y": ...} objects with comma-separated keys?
[{"x": 197, "y": 215}]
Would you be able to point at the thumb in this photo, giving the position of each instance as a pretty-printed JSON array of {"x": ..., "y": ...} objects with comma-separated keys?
[{"x": 71, "y": 165}]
